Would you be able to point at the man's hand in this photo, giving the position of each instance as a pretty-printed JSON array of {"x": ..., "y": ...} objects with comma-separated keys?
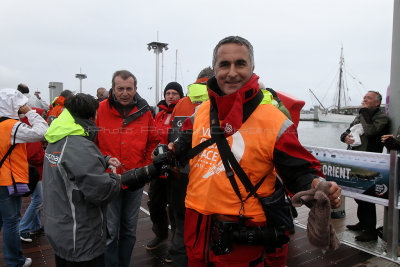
[
  {"x": 153, "y": 156},
  {"x": 25, "y": 109},
  {"x": 171, "y": 147},
  {"x": 114, "y": 162},
  {"x": 349, "y": 139},
  {"x": 37, "y": 94},
  {"x": 385, "y": 137},
  {"x": 335, "y": 193}
]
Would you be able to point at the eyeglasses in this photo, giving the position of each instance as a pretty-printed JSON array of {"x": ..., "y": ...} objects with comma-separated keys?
[{"x": 171, "y": 93}]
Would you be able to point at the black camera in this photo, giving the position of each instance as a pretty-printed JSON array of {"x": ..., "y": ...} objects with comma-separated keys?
[
  {"x": 224, "y": 234},
  {"x": 165, "y": 159},
  {"x": 162, "y": 164}
]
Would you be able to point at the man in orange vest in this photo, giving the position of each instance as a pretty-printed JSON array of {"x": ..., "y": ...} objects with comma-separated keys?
[
  {"x": 221, "y": 216},
  {"x": 14, "y": 167}
]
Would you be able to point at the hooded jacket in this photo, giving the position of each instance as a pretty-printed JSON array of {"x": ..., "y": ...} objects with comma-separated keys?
[
  {"x": 55, "y": 109},
  {"x": 76, "y": 190},
  {"x": 14, "y": 132}
]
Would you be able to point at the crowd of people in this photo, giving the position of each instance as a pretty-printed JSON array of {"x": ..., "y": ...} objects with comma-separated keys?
[{"x": 227, "y": 142}]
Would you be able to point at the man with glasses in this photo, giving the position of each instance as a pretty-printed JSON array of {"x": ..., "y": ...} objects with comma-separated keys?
[{"x": 158, "y": 187}]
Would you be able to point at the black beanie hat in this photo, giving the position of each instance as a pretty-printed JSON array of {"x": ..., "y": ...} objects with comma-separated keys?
[{"x": 175, "y": 86}]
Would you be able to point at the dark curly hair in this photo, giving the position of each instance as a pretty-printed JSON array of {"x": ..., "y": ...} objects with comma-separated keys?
[{"x": 82, "y": 106}]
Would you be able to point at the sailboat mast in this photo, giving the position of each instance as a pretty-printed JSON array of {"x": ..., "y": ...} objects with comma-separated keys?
[
  {"x": 340, "y": 83},
  {"x": 176, "y": 64}
]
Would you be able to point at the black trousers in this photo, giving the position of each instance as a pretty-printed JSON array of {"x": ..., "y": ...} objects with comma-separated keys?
[
  {"x": 96, "y": 262},
  {"x": 157, "y": 207},
  {"x": 366, "y": 214},
  {"x": 177, "y": 193}
]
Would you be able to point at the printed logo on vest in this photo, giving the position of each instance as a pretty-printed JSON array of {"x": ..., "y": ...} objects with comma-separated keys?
[
  {"x": 210, "y": 159},
  {"x": 228, "y": 128}
]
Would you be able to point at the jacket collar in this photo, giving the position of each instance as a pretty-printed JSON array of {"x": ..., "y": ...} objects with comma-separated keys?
[
  {"x": 163, "y": 105},
  {"x": 66, "y": 125},
  {"x": 230, "y": 107}
]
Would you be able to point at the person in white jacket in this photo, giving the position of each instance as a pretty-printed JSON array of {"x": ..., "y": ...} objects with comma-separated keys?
[
  {"x": 15, "y": 165},
  {"x": 33, "y": 101}
]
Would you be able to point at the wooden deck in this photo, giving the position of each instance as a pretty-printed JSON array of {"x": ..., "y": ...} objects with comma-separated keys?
[{"x": 301, "y": 253}]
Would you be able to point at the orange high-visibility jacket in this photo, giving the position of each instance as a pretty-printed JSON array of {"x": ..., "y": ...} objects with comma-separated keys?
[
  {"x": 209, "y": 190},
  {"x": 17, "y": 161}
]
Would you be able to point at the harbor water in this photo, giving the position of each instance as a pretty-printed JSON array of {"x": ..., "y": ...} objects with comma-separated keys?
[{"x": 322, "y": 134}]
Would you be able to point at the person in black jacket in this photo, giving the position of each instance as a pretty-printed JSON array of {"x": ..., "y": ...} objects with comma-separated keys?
[
  {"x": 391, "y": 142},
  {"x": 374, "y": 123}
]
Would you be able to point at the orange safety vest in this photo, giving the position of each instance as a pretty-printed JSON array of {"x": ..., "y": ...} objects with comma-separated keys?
[
  {"x": 209, "y": 190},
  {"x": 18, "y": 157}
]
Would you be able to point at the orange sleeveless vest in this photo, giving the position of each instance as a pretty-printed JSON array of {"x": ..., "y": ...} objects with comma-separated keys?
[
  {"x": 209, "y": 190},
  {"x": 19, "y": 161}
]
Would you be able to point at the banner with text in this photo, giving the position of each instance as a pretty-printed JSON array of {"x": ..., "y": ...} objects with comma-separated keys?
[{"x": 364, "y": 173}]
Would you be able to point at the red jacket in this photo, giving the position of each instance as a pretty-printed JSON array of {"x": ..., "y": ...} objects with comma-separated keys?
[
  {"x": 132, "y": 142},
  {"x": 35, "y": 151},
  {"x": 163, "y": 120},
  {"x": 55, "y": 109}
]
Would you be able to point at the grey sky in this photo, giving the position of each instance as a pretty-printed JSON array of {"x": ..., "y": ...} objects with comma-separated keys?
[{"x": 296, "y": 42}]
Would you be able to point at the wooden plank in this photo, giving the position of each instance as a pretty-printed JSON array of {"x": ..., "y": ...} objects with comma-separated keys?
[{"x": 301, "y": 252}]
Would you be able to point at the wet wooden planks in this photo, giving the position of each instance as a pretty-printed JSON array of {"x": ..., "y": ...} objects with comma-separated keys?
[{"x": 301, "y": 252}]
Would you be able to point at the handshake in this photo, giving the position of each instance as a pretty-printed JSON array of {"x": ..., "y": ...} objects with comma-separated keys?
[{"x": 163, "y": 163}]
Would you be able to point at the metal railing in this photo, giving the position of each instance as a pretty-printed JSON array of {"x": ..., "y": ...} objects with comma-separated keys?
[{"x": 393, "y": 207}]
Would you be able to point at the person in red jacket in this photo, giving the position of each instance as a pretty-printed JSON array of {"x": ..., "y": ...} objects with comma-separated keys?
[
  {"x": 31, "y": 221},
  {"x": 158, "y": 187},
  {"x": 197, "y": 94},
  {"x": 57, "y": 106},
  {"x": 128, "y": 133}
]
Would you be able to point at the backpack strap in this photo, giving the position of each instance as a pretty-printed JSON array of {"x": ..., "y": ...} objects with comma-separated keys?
[
  {"x": 136, "y": 115},
  {"x": 6, "y": 155},
  {"x": 9, "y": 158},
  {"x": 12, "y": 146}
]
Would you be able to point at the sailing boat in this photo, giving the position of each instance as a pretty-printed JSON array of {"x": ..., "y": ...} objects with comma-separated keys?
[{"x": 339, "y": 113}]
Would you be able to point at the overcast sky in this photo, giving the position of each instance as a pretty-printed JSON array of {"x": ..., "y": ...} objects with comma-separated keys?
[{"x": 296, "y": 42}]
